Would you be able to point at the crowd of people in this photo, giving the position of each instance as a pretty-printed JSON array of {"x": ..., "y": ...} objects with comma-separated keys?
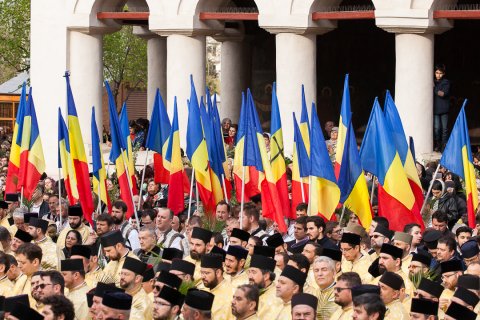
[{"x": 54, "y": 265}]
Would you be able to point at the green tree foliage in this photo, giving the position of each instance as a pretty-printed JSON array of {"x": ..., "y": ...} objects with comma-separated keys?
[
  {"x": 125, "y": 59},
  {"x": 14, "y": 37}
]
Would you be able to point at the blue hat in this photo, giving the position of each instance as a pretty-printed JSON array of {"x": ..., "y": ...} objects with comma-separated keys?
[{"x": 469, "y": 249}]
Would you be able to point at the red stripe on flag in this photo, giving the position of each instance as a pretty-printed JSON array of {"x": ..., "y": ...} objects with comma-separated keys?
[
  {"x": 22, "y": 170},
  {"x": 125, "y": 194},
  {"x": 161, "y": 175},
  {"x": 470, "y": 211},
  {"x": 206, "y": 196},
  {"x": 84, "y": 191},
  {"x": 176, "y": 188},
  {"x": 397, "y": 214},
  {"x": 297, "y": 196},
  {"x": 282, "y": 190},
  {"x": 31, "y": 180},
  {"x": 271, "y": 205},
  {"x": 13, "y": 178}
]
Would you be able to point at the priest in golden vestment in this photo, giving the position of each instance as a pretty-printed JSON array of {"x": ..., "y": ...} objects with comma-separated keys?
[
  {"x": 74, "y": 275},
  {"x": 75, "y": 215},
  {"x": 37, "y": 228}
]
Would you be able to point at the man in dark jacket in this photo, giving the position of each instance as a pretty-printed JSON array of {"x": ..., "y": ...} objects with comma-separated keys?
[{"x": 441, "y": 106}]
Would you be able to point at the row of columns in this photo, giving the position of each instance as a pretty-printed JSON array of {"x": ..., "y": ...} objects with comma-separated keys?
[{"x": 179, "y": 53}]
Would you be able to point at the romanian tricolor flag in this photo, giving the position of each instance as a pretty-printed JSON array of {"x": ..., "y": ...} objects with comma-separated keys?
[
  {"x": 457, "y": 157},
  {"x": 305, "y": 123},
  {"x": 325, "y": 193},
  {"x": 99, "y": 173},
  {"x": 256, "y": 157},
  {"x": 13, "y": 184},
  {"x": 393, "y": 119},
  {"x": 178, "y": 182},
  {"x": 32, "y": 162},
  {"x": 300, "y": 168},
  {"x": 197, "y": 152},
  {"x": 65, "y": 161},
  {"x": 79, "y": 158},
  {"x": 157, "y": 139},
  {"x": 277, "y": 158},
  {"x": 222, "y": 154},
  {"x": 118, "y": 154},
  {"x": 125, "y": 131},
  {"x": 352, "y": 183},
  {"x": 216, "y": 165},
  {"x": 345, "y": 118},
  {"x": 249, "y": 175},
  {"x": 396, "y": 201}
]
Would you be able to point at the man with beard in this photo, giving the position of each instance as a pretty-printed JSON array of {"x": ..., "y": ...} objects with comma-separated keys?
[
  {"x": 451, "y": 270},
  {"x": 57, "y": 308},
  {"x": 391, "y": 285},
  {"x": 20, "y": 238},
  {"x": 245, "y": 302},
  {"x": 470, "y": 252},
  {"x": 167, "y": 304},
  {"x": 75, "y": 215},
  {"x": 343, "y": 295},
  {"x": 261, "y": 274},
  {"x": 48, "y": 283},
  {"x": 311, "y": 250},
  {"x": 114, "y": 246},
  {"x": 37, "y": 228},
  {"x": 356, "y": 260},
  {"x": 316, "y": 232},
  {"x": 390, "y": 260},
  {"x": 74, "y": 276},
  {"x": 198, "y": 247},
  {"x": 103, "y": 224},
  {"x": 304, "y": 306},
  {"x": 423, "y": 309},
  {"x": 198, "y": 305},
  {"x": 119, "y": 211},
  {"x": 93, "y": 272},
  {"x": 379, "y": 236},
  {"x": 183, "y": 269},
  {"x": 98, "y": 294},
  {"x": 213, "y": 280},
  {"x": 16, "y": 276},
  {"x": 239, "y": 237},
  {"x": 403, "y": 241},
  {"x": 131, "y": 278},
  {"x": 234, "y": 263},
  {"x": 419, "y": 266}
]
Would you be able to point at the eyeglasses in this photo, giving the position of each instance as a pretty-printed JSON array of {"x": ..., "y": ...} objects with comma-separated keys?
[
  {"x": 161, "y": 304},
  {"x": 444, "y": 276},
  {"x": 339, "y": 231},
  {"x": 346, "y": 249},
  {"x": 42, "y": 286},
  {"x": 341, "y": 289}
]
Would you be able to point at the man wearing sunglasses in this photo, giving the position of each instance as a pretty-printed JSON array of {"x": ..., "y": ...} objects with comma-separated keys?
[{"x": 343, "y": 295}]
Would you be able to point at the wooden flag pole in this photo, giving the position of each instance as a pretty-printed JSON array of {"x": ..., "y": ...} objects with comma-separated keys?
[
  {"x": 190, "y": 195},
  {"x": 224, "y": 189},
  {"x": 429, "y": 189},
  {"x": 60, "y": 196},
  {"x": 129, "y": 183},
  {"x": 143, "y": 179}
]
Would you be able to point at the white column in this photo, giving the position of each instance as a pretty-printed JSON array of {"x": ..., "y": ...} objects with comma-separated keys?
[
  {"x": 86, "y": 70},
  {"x": 296, "y": 59},
  {"x": 48, "y": 60},
  {"x": 234, "y": 77},
  {"x": 185, "y": 56},
  {"x": 413, "y": 87},
  {"x": 157, "y": 70}
]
